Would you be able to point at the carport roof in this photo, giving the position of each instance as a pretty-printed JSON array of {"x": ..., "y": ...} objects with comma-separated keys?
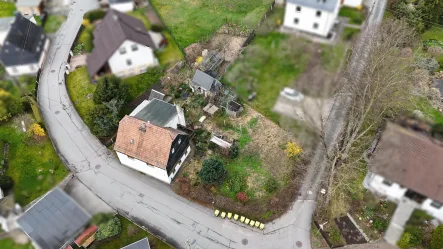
[{"x": 53, "y": 220}]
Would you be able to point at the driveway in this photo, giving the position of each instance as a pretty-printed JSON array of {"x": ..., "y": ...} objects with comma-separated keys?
[{"x": 145, "y": 200}]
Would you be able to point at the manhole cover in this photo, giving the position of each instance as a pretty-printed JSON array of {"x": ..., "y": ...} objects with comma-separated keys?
[
  {"x": 57, "y": 112},
  {"x": 97, "y": 166},
  {"x": 52, "y": 71},
  {"x": 298, "y": 244},
  {"x": 244, "y": 241}
]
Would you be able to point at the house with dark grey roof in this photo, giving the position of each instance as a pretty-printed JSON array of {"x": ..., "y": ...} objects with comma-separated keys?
[
  {"x": 316, "y": 17},
  {"x": 203, "y": 83},
  {"x": 25, "y": 47},
  {"x": 407, "y": 165},
  {"x": 122, "y": 46},
  {"x": 54, "y": 221},
  {"x": 141, "y": 244},
  {"x": 149, "y": 139}
]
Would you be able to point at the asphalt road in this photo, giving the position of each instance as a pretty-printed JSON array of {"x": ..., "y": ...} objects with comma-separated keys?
[{"x": 145, "y": 200}]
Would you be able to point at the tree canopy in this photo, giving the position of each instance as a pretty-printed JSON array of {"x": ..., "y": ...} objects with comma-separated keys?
[{"x": 212, "y": 171}]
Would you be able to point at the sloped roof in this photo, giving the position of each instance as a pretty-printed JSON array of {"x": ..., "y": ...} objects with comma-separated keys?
[
  {"x": 325, "y": 5},
  {"x": 411, "y": 159},
  {"x": 53, "y": 220},
  {"x": 204, "y": 80},
  {"x": 141, "y": 244},
  {"x": 24, "y": 43},
  {"x": 156, "y": 95},
  {"x": 151, "y": 144},
  {"x": 157, "y": 112},
  {"x": 115, "y": 28}
]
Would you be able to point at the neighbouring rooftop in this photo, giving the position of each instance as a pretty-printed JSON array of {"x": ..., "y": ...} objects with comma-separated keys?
[
  {"x": 54, "y": 220},
  {"x": 156, "y": 112},
  {"x": 141, "y": 244},
  {"x": 325, "y": 5}
]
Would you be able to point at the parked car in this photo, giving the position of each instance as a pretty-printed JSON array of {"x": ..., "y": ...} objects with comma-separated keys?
[{"x": 292, "y": 94}]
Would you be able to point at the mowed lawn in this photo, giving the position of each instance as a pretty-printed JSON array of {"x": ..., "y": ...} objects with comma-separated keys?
[
  {"x": 34, "y": 167},
  {"x": 10, "y": 244},
  {"x": 6, "y": 9},
  {"x": 269, "y": 64},
  {"x": 80, "y": 90},
  {"x": 130, "y": 233},
  {"x": 192, "y": 21}
]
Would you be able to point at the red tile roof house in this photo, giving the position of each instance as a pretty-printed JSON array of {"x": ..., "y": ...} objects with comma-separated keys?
[
  {"x": 122, "y": 46},
  {"x": 148, "y": 140}
]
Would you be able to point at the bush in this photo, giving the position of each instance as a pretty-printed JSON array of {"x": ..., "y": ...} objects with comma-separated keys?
[
  {"x": 242, "y": 197},
  {"x": 437, "y": 238},
  {"x": 110, "y": 88},
  {"x": 104, "y": 118},
  {"x": 233, "y": 152},
  {"x": 102, "y": 218},
  {"x": 6, "y": 182},
  {"x": 404, "y": 242},
  {"x": 429, "y": 64},
  {"x": 94, "y": 15},
  {"x": 212, "y": 171},
  {"x": 380, "y": 224},
  {"x": 157, "y": 28},
  {"x": 271, "y": 185},
  {"x": 236, "y": 183},
  {"x": 416, "y": 233},
  {"x": 109, "y": 229}
]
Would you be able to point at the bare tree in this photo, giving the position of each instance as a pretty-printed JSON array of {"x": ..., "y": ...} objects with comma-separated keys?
[{"x": 380, "y": 91}]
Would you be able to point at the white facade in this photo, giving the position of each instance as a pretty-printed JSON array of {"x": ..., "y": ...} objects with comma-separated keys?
[
  {"x": 123, "y": 7},
  {"x": 310, "y": 20},
  {"x": 29, "y": 69},
  {"x": 131, "y": 59},
  {"x": 353, "y": 3},
  {"x": 153, "y": 171},
  {"x": 395, "y": 192}
]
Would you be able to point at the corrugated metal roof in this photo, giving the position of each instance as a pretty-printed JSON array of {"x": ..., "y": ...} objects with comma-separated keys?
[
  {"x": 54, "y": 220},
  {"x": 325, "y": 5}
]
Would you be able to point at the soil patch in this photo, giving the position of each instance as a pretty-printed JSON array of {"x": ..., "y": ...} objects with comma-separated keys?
[{"x": 349, "y": 231}]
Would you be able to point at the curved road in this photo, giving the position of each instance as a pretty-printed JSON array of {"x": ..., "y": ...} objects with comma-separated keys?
[
  {"x": 141, "y": 198},
  {"x": 145, "y": 200}
]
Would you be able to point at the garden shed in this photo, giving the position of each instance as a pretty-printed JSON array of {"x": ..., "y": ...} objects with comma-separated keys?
[{"x": 234, "y": 109}]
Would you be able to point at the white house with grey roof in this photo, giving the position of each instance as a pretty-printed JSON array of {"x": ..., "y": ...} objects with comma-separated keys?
[
  {"x": 316, "y": 17},
  {"x": 54, "y": 221},
  {"x": 25, "y": 47}
]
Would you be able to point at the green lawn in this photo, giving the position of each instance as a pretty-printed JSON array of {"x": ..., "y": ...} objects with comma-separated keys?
[
  {"x": 355, "y": 16},
  {"x": 192, "y": 21},
  {"x": 79, "y": 86},
  {"x": 30, "y": 165},
  {"x": 7, "y": 9},
  {"x": 350, "y": 33},
  {"x": 269, "y": 64},
  {"x": 140, "y": 83},
  {"x": 10, "y": 244},
  {"x": 425, "y": 107},
  {"x": 140, "y": 14},
  {"x": 331, "y": 56},
  {"x": 130, "y": 233},
  {"x": 53, "y": 23},
  {"x": 435, "y": 32},
  {"x": 171, "y": 54}
]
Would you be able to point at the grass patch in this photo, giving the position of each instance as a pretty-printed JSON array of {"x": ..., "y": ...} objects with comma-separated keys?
[
  {"x": 10, "y": 244},
  {"x": 140, "y": 14},
  {"x": 350, "y": 33},
  {"x": 79, "y": 86},
  {"x": 426, "y": 108},
  {"x": 140, "y": 83},
  {"x": 434, "y": 32},
  {"x": 331, "y": 56},
  {"x": 171, "y": 54},
  {"x": 355, "y": 16},
  {"x": 130, "y": 233},
  {"x": 53, "y": 23},
  {"x": 269, "y": 64},
  {"x": 7, "y": 9},
  {"x": 30, "y": 165},
  {"x": 190, "y": 22}
]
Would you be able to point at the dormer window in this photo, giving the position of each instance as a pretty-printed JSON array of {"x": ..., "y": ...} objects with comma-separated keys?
[
  {"x": 172, "y": 151},
  {"x": 179, "y": 141}
]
